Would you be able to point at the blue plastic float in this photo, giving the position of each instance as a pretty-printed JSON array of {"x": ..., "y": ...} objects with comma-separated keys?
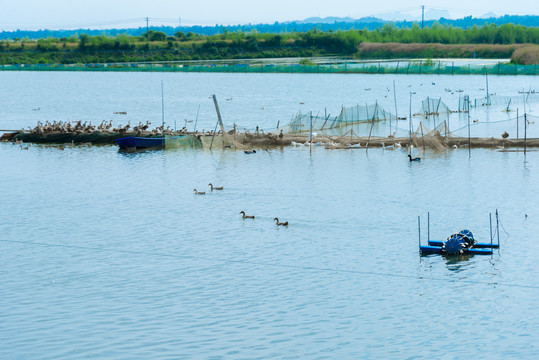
[{"x": 461, "y": 243}]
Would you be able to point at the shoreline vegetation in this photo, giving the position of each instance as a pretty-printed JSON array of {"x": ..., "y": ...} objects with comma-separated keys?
[{"x": 519, "y": 43}]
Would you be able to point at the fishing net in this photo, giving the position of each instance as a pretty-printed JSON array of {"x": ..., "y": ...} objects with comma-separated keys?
[
  {"x": 176, "y": 141},
  {"x": 433, "y": 139},
  {"x": 356, "y": 118},
  {"x": 431, "y": 106}
]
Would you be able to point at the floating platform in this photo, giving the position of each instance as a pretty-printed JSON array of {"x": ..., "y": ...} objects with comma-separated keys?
[
  {"x": 440, "y": 250},
  {"x": 460, "y": 243}
]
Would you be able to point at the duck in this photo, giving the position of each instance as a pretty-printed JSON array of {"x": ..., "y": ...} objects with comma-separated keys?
[
  {"x": 413, "y": 159},
  {"x": 215, "y": 187},
  {"x": 246, "y": 216},
  {"x": 281, "y": 223},
  {"x": 505, "y": 135},
  {"x": 199, "y": 192},
  {"x": 250, "y": 151}
]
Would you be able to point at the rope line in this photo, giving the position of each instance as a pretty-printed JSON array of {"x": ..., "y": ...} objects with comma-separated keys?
[{"x": 286, "y": 266}]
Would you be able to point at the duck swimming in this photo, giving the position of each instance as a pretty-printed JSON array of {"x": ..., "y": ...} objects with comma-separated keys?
[
  {"x": 250, "y": 151},
  {"x": 215, "y": 187},
  {"x": 281, "y": 223},
  {"x": 413, "y": 159},
  {"x": 199, "y": 192},
  {"x": 246, "y": 216}
]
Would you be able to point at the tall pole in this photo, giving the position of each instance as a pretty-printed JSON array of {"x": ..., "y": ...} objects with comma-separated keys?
[
  {"x": 422, "y": 15},
  {"x": 147, "y": 29},
  {"x": 497, "y": 227},
  {"x": 410, "y": 125},
  {"x": 486, "y": 79},
  {"x": 517, "y": 123},
  {"x": 163, "y": 106},
  {"x": 467, "y": 100},
  {"x": 525, "y": 127},
  {"x": 419, "y": 230},
  {"x": 490, "y": 218},
  {"x": 396, "y": 116},
  {"x": 311, "y": 133}
]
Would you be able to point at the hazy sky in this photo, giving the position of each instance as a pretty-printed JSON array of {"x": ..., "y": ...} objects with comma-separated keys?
[{"x": 54, "y": 14}]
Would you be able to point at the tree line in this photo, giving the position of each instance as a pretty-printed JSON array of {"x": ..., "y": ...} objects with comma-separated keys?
[{"x": 158, "y": 46}]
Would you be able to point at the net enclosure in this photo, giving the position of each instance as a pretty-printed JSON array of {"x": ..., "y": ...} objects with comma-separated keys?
[{"x": 349, "y": 119}]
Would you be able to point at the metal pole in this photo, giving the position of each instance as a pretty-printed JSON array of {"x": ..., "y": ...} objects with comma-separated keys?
[
  {"x": 197, "y": 118},
  {"x": 428, "y": 228},
  {"x": 517, "y": 123},
  {"x": 163, "y": 105},
  {"x": 490, "y": 218},
  {"x": 419, "y": 229},
  {"x": 311, "y": 134},
  {"x": 395, "y": 97},
  {"x": 497, "y": 227},
  {"x": 410, "y": 125},
  {"x": 525, "y": 127}
]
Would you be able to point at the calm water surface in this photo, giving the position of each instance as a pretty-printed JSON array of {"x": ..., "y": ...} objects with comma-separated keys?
[{"x": 111, "y": 255}]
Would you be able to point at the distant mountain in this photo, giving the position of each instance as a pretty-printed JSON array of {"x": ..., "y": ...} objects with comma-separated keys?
[
  {"x": 488, "y": 15},
  {"x": 326, "y": 20},
  {"x": 333, "y": 20},
  {"x": 431, "y": 14}
]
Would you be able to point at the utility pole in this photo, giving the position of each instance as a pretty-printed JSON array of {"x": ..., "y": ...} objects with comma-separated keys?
[
  {"x": 147, "y": 29},
  {"x": 180, "y": 21},
  {"x": 422, "y": 15}
]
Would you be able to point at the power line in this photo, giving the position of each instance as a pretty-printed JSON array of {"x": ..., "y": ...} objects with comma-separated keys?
[{"x": 259, "y": 263}]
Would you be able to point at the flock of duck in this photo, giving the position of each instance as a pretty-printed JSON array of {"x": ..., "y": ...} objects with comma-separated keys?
[
  {"x": 243, "y": 214},
  {"x": 105, "y": 127}
]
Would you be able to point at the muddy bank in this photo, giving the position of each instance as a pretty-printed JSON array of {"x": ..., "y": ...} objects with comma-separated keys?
[{"x": 247, "y": 140}]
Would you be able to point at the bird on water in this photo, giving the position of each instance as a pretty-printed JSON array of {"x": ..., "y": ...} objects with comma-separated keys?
[
  {"x": 413, "y": 159},
  {"x": 246, "y": 216},
  {"x": 281, "y": 223},
  {"x": 250, "y": 151},
  {"x": 215, "y": 187}
]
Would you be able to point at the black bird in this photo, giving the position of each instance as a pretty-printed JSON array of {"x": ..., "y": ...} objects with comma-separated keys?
[
  {"x": 250, "y": 151},
  {"x": 413, "y": 159},
  {"x": 281, "y": 223},
  {"x": 247, "y": 216}
]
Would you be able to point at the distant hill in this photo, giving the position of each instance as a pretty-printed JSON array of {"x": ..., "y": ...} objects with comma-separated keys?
[{"x": 322, "y": 24}]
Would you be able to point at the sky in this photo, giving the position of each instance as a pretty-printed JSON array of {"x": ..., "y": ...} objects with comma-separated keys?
[{"x": 97, "y": 14}]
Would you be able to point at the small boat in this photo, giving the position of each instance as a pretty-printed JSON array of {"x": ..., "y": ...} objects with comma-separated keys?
[
  {"x": 134, "y": 143},
  {"x": 140, "y": 143}
]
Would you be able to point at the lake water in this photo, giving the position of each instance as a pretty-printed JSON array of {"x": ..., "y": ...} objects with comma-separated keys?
[{"x": 111, "y": 255}]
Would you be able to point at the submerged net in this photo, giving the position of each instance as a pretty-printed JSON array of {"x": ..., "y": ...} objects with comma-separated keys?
[{"x": 176, "y": 141}]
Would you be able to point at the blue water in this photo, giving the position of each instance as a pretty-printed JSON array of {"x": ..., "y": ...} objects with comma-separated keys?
[{"x": 112, "y": 255}]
